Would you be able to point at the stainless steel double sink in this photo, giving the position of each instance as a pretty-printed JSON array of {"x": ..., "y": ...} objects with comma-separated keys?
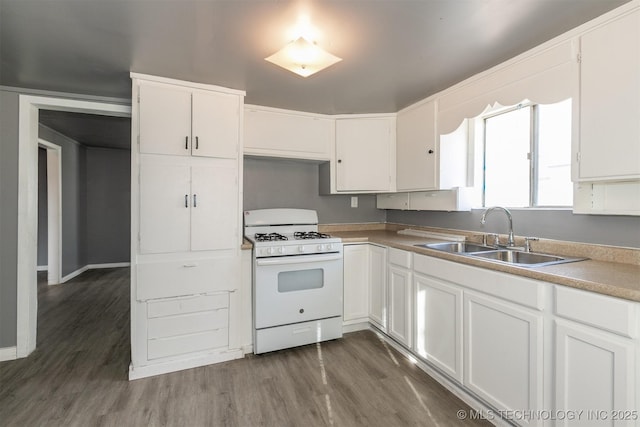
[{"x": 504, "y": 256}]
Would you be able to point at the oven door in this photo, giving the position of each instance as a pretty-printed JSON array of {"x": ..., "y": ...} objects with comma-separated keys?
[{"x": 297, "y": 289}]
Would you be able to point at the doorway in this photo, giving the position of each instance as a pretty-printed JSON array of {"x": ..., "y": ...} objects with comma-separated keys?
[
  {"x": 53, "y": 179},
  {"x": 29, "y": 107}
]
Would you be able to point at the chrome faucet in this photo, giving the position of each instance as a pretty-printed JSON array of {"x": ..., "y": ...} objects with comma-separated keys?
[{"x": 510, "y": 240}]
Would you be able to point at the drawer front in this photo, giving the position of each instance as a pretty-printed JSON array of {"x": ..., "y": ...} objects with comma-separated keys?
[
  {"x": 521, "y": 290},
  {"x": 185, "y": 277},
  {"x": 399, "y": 257},
  {"x": 185, "y": 305},
  {"x": 604, "y": 312},
  {"x": 183, "y": 344},
  {"x": 165, "y": 327}
]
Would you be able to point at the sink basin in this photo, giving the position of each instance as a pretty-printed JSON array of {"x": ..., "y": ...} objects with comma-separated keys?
[
  {"x": 457, "y": 247},
  {"x": 524, "y": 259}
]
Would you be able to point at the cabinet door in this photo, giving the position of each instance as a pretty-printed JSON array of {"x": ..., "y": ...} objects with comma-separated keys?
[
  {"x": 363, "y": 153},
  {"x": 378, "y": 286},
  {"x": 287, "y": 134},
  {"x": 214, "y": 193},
  {"x": 356, "y": 283},
  {"x": 416, "y": 148},
  {"x": 164, "y": 207},
  {"x": 594, "y": 373},
  {"x": 216, "y": 124},
  {"x": 610, "y": 100},
  {"x": 165, "y": 119},
  {"x": 503, "y": 353},
  {"x": 438, "y": 326},
  {"x": 400, "y": 306}
]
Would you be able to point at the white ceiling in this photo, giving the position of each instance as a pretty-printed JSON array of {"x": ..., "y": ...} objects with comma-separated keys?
[{"x": 395, "y": 52}]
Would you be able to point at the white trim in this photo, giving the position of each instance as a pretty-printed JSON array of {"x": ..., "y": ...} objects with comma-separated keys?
[
  {"x": 93, "y": 267},
  {"x": 181, "y": 364},
  {"x": 27, "y": 301},
  {"x": 54, "y": 210},
  {"x": 184, "y": 83},
  {"x": 8, "y": 353},
  {"x": 74, "y": 274},
  {"x": 108, "y": 265},
  {"x": 42, "y": 268}
]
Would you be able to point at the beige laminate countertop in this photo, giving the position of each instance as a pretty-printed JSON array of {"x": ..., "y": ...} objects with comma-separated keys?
[{"x": 608, "y": 278}]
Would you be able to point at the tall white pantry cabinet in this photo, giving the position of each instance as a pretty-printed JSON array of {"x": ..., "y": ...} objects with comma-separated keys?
[{"x": 185, "y": 225}]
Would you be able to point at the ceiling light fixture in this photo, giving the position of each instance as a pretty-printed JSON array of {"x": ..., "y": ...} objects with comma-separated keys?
[{"x": 303, "y": 57}]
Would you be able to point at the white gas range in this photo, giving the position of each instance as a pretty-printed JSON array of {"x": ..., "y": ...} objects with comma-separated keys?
[{"x": 297, "y": 279}]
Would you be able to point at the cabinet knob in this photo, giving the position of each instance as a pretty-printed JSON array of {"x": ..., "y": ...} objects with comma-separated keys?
[
  {"x": 430, "y": 151},
  {"x": 339, "y": 161}
]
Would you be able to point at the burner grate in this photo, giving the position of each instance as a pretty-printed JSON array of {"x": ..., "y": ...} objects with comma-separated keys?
[
  {"x": 304, "y": 235},
  {"x": 268, "y": 237}
]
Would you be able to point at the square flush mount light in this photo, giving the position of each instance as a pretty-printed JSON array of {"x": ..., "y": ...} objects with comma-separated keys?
[{"x": 303, "y": 57}]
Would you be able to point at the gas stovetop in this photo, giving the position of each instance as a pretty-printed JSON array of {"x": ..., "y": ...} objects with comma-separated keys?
[
  {"x": 285, "y": 232},
  {"x": 298, "y": 235}
]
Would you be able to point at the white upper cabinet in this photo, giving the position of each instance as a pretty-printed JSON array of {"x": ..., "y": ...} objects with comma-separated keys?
[
  {"x": 426, "y": 160},
  {"x": 179, "y": 121},
  {"x": 416, "y": 148},
  {"x": 365, "y": 154},
  {"x": 185, "y": 207},
  {"x": 609, "y": 107},
  {"x": 290, "y": 134}
]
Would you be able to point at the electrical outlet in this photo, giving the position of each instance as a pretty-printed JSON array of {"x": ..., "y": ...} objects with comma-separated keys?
[{"x": 354, "y": 201}]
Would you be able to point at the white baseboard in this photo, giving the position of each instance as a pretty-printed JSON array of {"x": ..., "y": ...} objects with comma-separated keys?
[
  {"x": 93, "y": 267},
  {"x": 108, "y": 265},
  {"x": 42, "y": 268},
  {"x": 138, "y": 372},
  {"x": 8, "y": 353},
  {"x": 355, "y": 326},
  {"x": 74, "y": 274}
]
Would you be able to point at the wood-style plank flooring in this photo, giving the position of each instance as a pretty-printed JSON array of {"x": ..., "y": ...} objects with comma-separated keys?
[{"x": 78, "y": 376}]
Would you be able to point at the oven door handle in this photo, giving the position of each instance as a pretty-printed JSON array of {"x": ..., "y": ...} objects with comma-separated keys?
[{"x": 303, "y": 259}]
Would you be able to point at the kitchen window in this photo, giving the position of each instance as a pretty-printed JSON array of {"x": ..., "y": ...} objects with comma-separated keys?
[{"x": 527, "y": 156}]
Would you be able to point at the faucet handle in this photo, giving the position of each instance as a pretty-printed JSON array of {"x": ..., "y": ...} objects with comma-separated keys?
[
  {"x": 527, "y": 243},
  {"x": 491, "y": 239}
]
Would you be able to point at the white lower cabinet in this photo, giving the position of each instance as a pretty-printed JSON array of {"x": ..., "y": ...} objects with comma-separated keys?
[
  {"x": 400, "y": 296},
  {"x": 503, "y": 353},
  {"x": 594, "y": 374},
  {"x": 596, "y": 357},
  {"x": 378, "y": 286},
  {"x": 438, "y": 324},
  {"x": 356, "y": 283},
  {"x": 399, "y": 304}
]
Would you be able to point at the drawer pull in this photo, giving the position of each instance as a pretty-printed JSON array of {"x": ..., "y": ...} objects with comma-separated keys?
[{"x": 189, "y": 265}]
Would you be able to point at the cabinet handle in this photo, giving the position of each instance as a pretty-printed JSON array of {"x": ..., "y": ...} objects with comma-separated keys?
[
  {"x": 197, "y": 142},
  {"x": 186, "y": 142},
  {"x": 195, "y": 201},
  {"x": 186, "y": 200},
  {"x": 430, "y": 151}
]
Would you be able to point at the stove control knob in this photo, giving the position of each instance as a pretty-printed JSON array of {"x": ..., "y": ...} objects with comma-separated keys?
[
  {"x": 270, "y": 251},
  {"x": 301, "y": 249},
  {"x": 320, "y": 247},
  {"x": 329, "y": 247},
  {"x": 281, "y": 250}
]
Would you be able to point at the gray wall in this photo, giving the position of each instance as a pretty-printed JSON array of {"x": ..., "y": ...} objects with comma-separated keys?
[
  {"x": 74, "y": 200},
  {"x": 96, "y": 207},
  {"x": 108, "y": 209},
  {"x": 42, "y": 207},
  {"x": 276, "y": 183},
  {"x": 560, "y": 225},
  {"x": 8, "y": 216}
]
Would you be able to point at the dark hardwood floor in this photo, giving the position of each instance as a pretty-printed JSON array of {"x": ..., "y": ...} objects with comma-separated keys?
[{"x": 78, "y": 376}]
